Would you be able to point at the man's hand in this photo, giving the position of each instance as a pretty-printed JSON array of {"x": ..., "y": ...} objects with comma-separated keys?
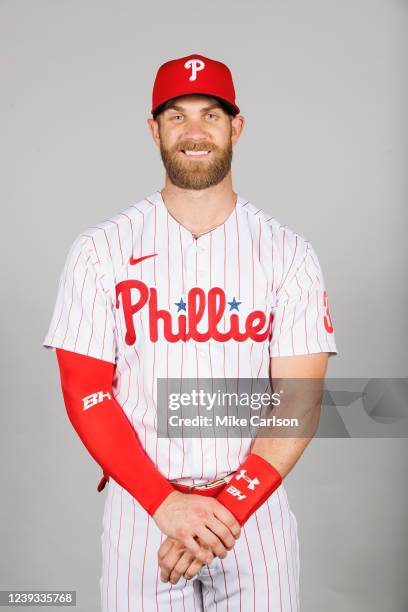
[
  {"x": 186, "y": 517},
  {"x": 176, "y": 561}
]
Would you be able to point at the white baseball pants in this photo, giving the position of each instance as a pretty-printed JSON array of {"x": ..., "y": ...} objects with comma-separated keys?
[{"x": 260, "y": 574}]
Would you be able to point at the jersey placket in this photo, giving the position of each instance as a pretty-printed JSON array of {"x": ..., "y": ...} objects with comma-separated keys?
[{"x": 198, "y": 275}]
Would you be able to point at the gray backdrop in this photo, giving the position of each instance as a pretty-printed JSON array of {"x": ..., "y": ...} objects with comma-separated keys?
[{"x": 321, "y": 84}]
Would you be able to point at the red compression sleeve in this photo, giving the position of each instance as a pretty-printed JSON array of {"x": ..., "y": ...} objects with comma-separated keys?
[
  {"x": 254, "y": 481},
  {"x": 105, "y": 429}
]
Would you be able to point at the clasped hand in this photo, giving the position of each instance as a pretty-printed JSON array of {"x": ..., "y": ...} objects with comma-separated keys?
[{"x": 198, "y": 528}]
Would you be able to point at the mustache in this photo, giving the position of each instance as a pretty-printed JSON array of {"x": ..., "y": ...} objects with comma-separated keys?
[{"x": 196, "y": 146}]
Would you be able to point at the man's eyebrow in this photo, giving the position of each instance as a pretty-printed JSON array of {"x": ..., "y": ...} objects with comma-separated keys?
[{"x": 205, "y": 108}]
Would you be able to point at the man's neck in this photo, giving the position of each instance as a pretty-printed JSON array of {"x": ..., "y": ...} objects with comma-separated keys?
[{"x": 199, "y": 210}]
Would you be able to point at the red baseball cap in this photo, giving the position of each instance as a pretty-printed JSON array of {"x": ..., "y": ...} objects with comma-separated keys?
[{"x": 194, "y": 74}]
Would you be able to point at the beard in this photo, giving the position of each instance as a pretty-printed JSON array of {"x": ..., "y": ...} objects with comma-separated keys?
[{"x": 189, "y": 173}]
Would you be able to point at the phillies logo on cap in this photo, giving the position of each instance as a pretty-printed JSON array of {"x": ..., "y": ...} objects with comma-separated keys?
[
  {"x": 193, "y": 74},
  {"x": 195, "y": 65}
]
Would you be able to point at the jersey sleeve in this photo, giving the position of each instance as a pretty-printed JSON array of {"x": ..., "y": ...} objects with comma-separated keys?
[
  {"x": 301, "y": 316},
  {"x": 83, "y": 318}
]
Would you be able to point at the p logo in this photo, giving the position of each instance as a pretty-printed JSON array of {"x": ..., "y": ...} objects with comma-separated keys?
[{"x": 195, "y": 65}]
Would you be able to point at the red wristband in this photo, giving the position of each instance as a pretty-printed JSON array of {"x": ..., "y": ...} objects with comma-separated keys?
[{"x": 252, "y": 484}]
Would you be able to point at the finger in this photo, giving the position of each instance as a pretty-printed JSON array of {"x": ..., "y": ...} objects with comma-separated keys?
[
  {"x": 181, "y": 566},
  {"x": 165, "y": 547},
  {"x": 226, "y": 517},
  {"x": 168, "y": 563},
  {"x": 199, "y": 552},
  {"x": 209, "y": 539},
  {"x": 193, "y": 569},
  {"x": 222, "y": 532}
]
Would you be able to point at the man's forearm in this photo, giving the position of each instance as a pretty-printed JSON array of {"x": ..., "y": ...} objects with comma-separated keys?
[
  {"x": 281, "y": 451},
  {"x": 106, "y": 431}
]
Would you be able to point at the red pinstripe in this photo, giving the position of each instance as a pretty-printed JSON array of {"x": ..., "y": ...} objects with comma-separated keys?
[
  {"x": 253, "y": 273},
  {"x": 104, "y": 231},
  {"x": 259, "y": 240},
  {"x": 157, "y": 575},
  {"x": 223, "y": 344},
  {"x": 307, "y": 344},
  {"x": 137, "y": 381},
  {"x": 182, "y": 261},
  {"x": 182, "y": 430},
  {"x": 211, "y": 259},
  {"x": 120, "y": 243},
  {"x": 273, "y": 267},
  {"x": 252, "y": 567},
  {"x": 168, "y": 261},
  {"x": 239, "y": 580},
  {"x": 276, "y": 553},
  {"x": 141, "y": 238},
  {"x": 117, "y": 560},
  {"x": 225, "y": 583},
  {"x": 291, "y": 538},
  {"x": 286, "y": 552},
  {"x": 130, "y": 554},
  {"x": 167, "y": 391},
  {"x": 92, "y": 326},
  {"x": 280, "y": 329},
  {"x": 264, "y": 557},
  {"x": 94, "y": 245},
  {"x": 290, "y": 267},
  {"x": 238, "y": 255},
  {"x": 104, "y": 329},
  {"x": 212, "y": 584},
  {"x": 291, "y": 330},
  {"x": 109, "y": 538},
  {"x": 144, "y": 559},
  {"x": 82, "y": 305},
  {"x": 154, "y": 246},
  {"x": 72, "y": 296},
  {"x": 317, "y": 323},
  {"x": 283, "y": 259}
]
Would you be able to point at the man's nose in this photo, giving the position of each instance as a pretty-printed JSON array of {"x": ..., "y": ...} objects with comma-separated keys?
[{"x": 195, "y": 131}]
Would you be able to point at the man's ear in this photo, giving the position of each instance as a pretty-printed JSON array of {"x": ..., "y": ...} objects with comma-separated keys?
[
  {"x": 154, "y": 130},
  {"x": 237, "y": 125}
]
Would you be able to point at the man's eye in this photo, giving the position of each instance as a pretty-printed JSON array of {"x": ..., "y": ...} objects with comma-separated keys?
[
  {"x": 211, "y": 115},
  {"x": 177, "y": 116}
]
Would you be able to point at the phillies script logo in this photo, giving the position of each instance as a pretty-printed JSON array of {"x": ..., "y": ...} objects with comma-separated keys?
[{"x": 198, "y": 302}]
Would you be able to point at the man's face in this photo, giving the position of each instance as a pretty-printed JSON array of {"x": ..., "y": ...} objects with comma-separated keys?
[{"x": 195, "y": 142}]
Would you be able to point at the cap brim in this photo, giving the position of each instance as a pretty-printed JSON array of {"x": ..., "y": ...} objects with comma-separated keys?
[{"x": 228, "y": 107}]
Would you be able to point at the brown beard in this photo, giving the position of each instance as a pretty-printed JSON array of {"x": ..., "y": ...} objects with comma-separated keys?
[{"x": 196, "y": 174}]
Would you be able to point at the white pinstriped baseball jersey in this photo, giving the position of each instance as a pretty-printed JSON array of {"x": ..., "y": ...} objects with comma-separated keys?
[{"x": 140, "y": 291}]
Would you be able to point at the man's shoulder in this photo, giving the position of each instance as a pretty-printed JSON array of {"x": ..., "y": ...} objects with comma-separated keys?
[
  {"x": 112, "y": 239},
  {"x": 280, "y": 233},
  {"x": 128, "y": 219}
]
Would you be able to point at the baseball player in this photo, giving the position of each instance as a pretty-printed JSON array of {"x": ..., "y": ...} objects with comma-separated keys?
[{"x": 192, "y": 282}]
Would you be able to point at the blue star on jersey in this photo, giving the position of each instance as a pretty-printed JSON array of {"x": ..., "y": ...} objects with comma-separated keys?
[
  {"x": 181, "y": 305},
  {"x": 234, "y": 304}
]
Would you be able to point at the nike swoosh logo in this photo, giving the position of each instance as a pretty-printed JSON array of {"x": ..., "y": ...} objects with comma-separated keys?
[{"x": 133, "y": 262}]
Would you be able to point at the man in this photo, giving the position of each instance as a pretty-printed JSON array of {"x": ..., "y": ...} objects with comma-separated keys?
[{"x": 192, "y": 282}]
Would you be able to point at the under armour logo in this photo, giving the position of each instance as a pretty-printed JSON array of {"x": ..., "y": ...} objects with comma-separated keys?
[
  {"x": 252, "y": 483},
  {"x": 196, "y": 65}
]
